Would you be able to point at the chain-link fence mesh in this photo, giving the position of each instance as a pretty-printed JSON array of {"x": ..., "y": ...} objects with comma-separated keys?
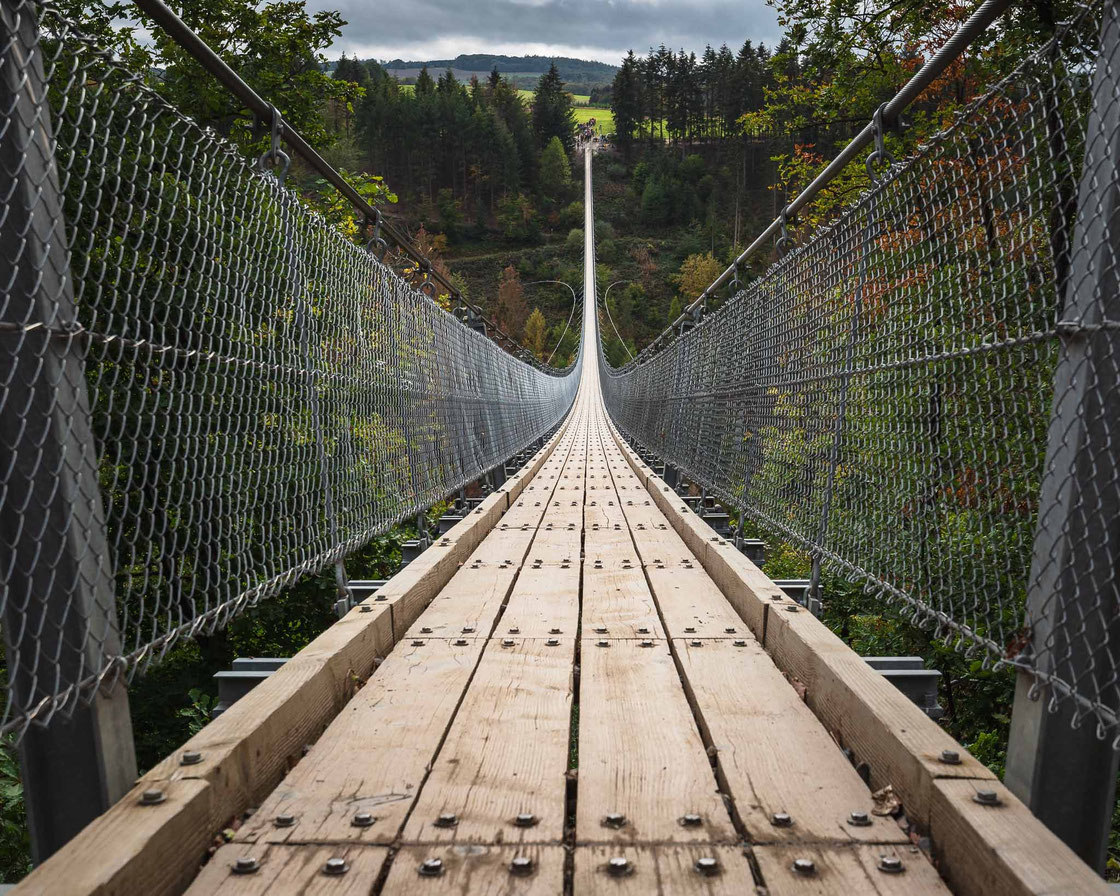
[
  {"x": 882, "y": 396},
  {"x": 207, "y": 391}
]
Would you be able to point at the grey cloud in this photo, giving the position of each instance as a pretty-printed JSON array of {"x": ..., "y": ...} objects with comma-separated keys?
[{"x": 611, "y": 26}]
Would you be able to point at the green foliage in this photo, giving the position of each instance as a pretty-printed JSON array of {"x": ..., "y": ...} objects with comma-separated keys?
[
  {"x": 518, "y": 219},
  {"x": 552, "y": 112},
  {"x": 555, "y": 171},
  {"x": 197, "y": 713},
  {"x": 15, "y": 843}
]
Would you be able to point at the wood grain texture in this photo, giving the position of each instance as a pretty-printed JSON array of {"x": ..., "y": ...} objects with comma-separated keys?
[
  {"x": 617, "y": 602},
  {"x": 1002, "y": 850},
  {"x": 544, "y": 603},
  {"x": 506, "y": 752},
  {"x": 847, "y": 871},
  {"x": 662, "y": 871},
  {"x": 639, "y": 751},
  {"x": 291, "y": 871},
  {"x": 375, "y": 755},
  {"x": 478, "y": 871},
  {"x": 691, "y": 605},
  {"x": 773, "y": 753},
  {"x": 468, "y": 605}
]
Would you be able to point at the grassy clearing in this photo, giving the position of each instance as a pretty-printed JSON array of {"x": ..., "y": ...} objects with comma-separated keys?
[{"x": 604, "y": 118}]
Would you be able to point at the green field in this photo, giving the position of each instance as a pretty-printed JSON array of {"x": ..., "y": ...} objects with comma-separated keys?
[{"x": 604, "y": 118}]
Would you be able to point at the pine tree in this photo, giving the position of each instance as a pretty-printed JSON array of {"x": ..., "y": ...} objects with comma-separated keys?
[
  {"x": 552, "y": 111},
  {"x": 534, "y": 333},
  {"x": 555, "y": 171}
]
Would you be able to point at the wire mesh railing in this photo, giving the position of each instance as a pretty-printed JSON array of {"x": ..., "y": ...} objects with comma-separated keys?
[
  {"x": 207, "y": 390},
  {"x": 926, "y": 394}
]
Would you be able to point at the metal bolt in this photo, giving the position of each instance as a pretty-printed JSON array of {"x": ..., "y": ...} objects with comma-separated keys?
[
  {"x": 521, "y": 865},
  {"x": 362, "y": 819},
  {"x": 552, "y": 642},
  {"x": 190, "y": 757},
  {"x": 804, "y": 866},
  {"x": 602, "y": 643},
  {"x": 525, "y": 820},
  {"x": 461, "y": 642},
  {"x": 891, "y": 864},
  {"x": 467, "y": 629},
  {"x": 284, "y": 820},
  {"x": 950, "y": 757},
  {"x": 152, "y": 797},
  {"x": 781, "y": 820},
  {"x": 614, "y": 820},
  {"x": 515, "y": 631},
  {"x": 707, "y": 865},
  {"x": 381, "y": 597},
  {"x": 335, "y": 866},
  {"x": 986, "y": 797},
  {"x": 601, "y": 630},
  {"x": 417, "y": 643},
  {"x": 447, "y": 820},
  {"x": 644, "y": 630},
  {"x": 730, "y": 630},
  {"x": 792, "y": 608},
  {"x": 554, "y": 631},
  {"x": 431, "y": 868},
  {"x": 365, "y": 609},
  {"x": 425, "y": 630},
  {"x": 245, "y": 865},
  {"x": 740, "y": 643},
  {"x": 857, "y": 818},
  {"x": 646, "y": 644},
  {"x": 508, "y": 642},
  {"x": 690, "y": 630},
  {"x": 618, "y": 866},
  {"x": 691, "y": 820}
]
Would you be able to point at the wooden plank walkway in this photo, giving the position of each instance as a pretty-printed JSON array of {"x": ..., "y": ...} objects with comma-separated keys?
[{"x": 584, "y": 690}]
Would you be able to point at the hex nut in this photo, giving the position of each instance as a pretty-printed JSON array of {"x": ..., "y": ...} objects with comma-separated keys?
[
  {"x": 152, "y": 797},
  {"x": 190, "y": 757},
  {"x": 804, "y": 866},
  {"x": 446, "y": 820},
  {"x": 740, "y": 643},
  {"x": 857, "y": 818},
  {"x": 891, "y": 865},
  {"x": 691, "y": 820},
  {"x": 552, "y": 642},
  {"x": 707, "y": 865},
  {"x": 781, "y": 820},
  {"x": 521, "y": 866},
  {"x": 335, "y": 866},
  {"x": 431, "y": 868},
  {"x": 986, "y": 797},
  {"x": 618, "y": 866},
  {"x": 245, "y": 865},
  {"x": 950, "y": 757},
  {"x": 614, "y": 820},
  {"x": 525, "y": 820},
  {"x": 284, "y": 820},
  {"x": 362, "y": 820}
]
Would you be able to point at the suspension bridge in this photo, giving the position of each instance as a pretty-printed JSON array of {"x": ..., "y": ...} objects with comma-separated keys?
[{"x": 578, "y": 686}]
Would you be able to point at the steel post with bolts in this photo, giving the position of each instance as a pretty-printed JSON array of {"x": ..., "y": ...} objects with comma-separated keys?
[
  {"x": 59, "y": 620},
  {"x": 1056, "y": 763}
]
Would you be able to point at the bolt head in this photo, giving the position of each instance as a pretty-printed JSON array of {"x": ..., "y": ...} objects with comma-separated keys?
[
  {"x": 152, "y": 797},
  {"x": 601, "y": 630},
  {"x": 525, "y": 820},
  {"x": 381, "y": 597},
  {"x": 362, "y": 819},
  {"x": 986, "y": 797},
  {"x": 690, "y": 630},
  {"x": 190, "y": 757},
  {"x": 447, "y": 820},
  {"x": 602, "y": 643},
  {"x": 431, "y": 867},
  {"x": 521, "y": 865},
  {"x": 614, "y": 820},
  {"x": 335, "y": 865},
  {"x": 707, "y": 865},
  {"x": 461, "y": 642},
  {"x": 552, "y": 642},
  {"x": 695, "y": 643},
  {"x": 245, "y": 865},
  {"x": 643, "y": 630},
  {"x": 508, "y": 642},
  {"x": 730, "y": 630},
  {"x": 646, "y": 644},
  {"x": 365, "y": 609},
  {"x": 425, "y": 630},
  {"x": 950, "y": 757},
  {"x": 781, "y": 820},
  {"x": 618, "y": 866},
  {"x": 891, "y": 865},
  {"x": 793, "y": 608},
  {"x": 417, "y": 643},
  {"x": 691, "y": 820},
  {"x": 804, "y": 866},
  {"x": 515, "y": 631},
  {"x": 284, "y": 820},
  {"x": 740, "y": 643},
  {"x": 554, "y": 631},
  {"x": 857, "y": 818},
  {"x": 467, "y": 629}
]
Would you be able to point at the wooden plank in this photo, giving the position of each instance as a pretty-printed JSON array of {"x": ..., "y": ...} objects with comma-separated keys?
[
  {"x": 507, "y": 751},
  {"x": 291, "y": 871},
  {"x": 846, "y": 871},
  {"x": 639, "y": 751},
  {"x": 375, "y": 755},
  {"x": 478, "y": 871},
  {"x": 617, "y": 603},
  {"x": 544, "y": 603},
  {"x": 773, "y": 754},
  {"x": 662, "y": 871},
  {"x": 559, "y": 538},
  {"x": 1002, "y": 850},
  {"x": 468, "y": 605},
  {"x": 691, "y": 605}
]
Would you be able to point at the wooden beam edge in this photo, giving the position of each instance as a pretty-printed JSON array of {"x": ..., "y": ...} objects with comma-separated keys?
[
  {"x": 246, "y": 751},
  {"x": 900, "y": 744}
]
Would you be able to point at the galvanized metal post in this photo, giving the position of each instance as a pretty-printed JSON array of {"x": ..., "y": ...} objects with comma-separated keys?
[
  {"x": 1067, "y": 775},
  {"x": 59, "y": 615}
]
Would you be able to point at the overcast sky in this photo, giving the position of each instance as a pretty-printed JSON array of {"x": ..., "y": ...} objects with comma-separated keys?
[{"x": 586, "y": 29}]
